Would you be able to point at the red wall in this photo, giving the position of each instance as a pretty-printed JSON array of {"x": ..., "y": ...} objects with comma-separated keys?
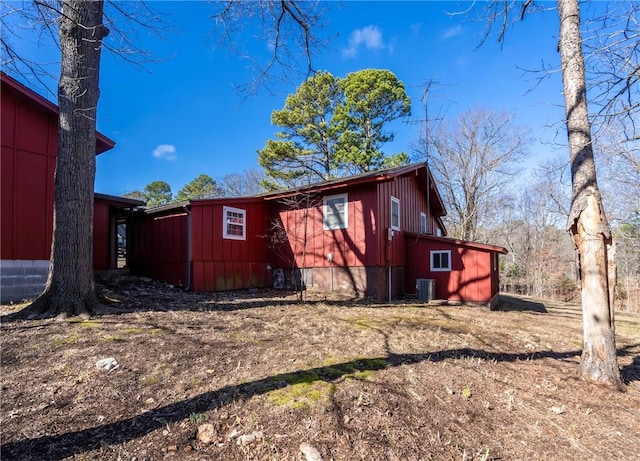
[
  {"x": 160, "y": 244},
  {"x": 227, "y": 264},
  {"x": 28, "y": 137},
  {"x": 101, "y": 243},
  {"x": 356, "y": 246},
  {"x": 472, "y": 277},
  {"x": 159, "y": 247}
]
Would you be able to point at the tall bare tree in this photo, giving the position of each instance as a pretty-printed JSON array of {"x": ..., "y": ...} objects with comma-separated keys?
[
  {"x": 616, "y": 89},
  {"x": 587, "y": 220},
  {"x": 70, "y": 288}
]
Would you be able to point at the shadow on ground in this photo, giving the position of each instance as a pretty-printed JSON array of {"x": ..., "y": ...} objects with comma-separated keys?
[
  {"x": 509, "y": 303},
  {"x": 56, "y": 447}
]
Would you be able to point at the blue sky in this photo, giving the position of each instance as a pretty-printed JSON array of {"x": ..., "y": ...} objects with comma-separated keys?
[{"x": 182, "y": 116}]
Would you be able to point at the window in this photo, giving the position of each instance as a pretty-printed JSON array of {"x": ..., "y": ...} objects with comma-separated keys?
[
  {"x": 234, "y": 225},
  {"x": 441, "y": 260},
  {"x": 438, "y": 232},
  {"x": 335, "y": 212},
  {"x": 395, "y": 213},
  {"x": 423, "y": 223}
]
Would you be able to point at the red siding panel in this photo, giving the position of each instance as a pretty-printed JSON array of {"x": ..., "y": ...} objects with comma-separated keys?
[
  {"x": 160, "y": 248},
  {"x": 28, "y": 134},
  {"x": 32, "y": 206},
  {"x": 7, "y": 221},
  {"x": 101, "y": 244},
  {"x": 471, "y": 276},
  {"x": 227, "y": 264}
]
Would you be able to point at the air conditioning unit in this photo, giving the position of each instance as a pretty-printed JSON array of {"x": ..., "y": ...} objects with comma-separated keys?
[{"x": 425, "y": 289}]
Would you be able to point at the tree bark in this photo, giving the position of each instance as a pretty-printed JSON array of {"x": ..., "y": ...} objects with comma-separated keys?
[
  {"x": 587, "y": 220},
  {"x": 70, "y": 286}
]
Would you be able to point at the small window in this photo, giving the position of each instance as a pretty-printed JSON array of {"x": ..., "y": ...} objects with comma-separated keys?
[
  {"x": 395, "y": 213},
  {"x": 438, "y": 232},
  {"x": 234, "y": 224},
  {"x": 423, "y": 223},
  {"x": 335, "y": 212},
  {"x": 441, "y": 260}
]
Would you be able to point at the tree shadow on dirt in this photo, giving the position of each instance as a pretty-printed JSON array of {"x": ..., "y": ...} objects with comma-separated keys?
[
  {"x": 508, "y": 303},
  {"x": 630, "y": 372},
  {"x": 56, "y": 447}
]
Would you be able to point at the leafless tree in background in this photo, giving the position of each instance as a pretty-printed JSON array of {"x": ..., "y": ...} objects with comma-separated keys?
[
  {"x": 242, "y": 184},
  {"x": 473, "y": 161}
]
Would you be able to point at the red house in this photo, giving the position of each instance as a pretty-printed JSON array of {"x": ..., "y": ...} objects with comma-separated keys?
[
  {"x": 376, "y": 234},
  {"x": 28, "y": 138}
]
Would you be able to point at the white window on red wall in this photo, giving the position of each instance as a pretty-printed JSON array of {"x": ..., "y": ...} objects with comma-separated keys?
[
  {"x": 423, "y": 223},
  {"x": 440, "y": 260},
  {"x": 335, "y": 212},
  {"x": 395, "y": 213},
  {"x": 234, "y": 223}
]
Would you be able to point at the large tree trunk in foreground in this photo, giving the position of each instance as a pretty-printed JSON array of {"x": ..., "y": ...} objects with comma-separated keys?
[
  {"x": 587, "y": 221},
  {"x": 70, "y": 287}
]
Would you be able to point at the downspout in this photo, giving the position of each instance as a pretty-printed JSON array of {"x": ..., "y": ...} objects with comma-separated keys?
[{"x": 187, "y": 209}]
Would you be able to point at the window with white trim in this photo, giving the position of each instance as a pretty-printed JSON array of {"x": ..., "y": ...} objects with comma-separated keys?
[
  {"x": 234, "y": 223},
  {"x": 335, "y": 212},
  {"x": 423, "y": 223},
  {"x": 441, "y": 261},
  {"x": 395, "y": 213}
]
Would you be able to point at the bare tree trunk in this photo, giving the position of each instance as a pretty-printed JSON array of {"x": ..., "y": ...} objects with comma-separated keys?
[
  {"x": 70, "y": 286},
  {"x": 587, "y": 221}
]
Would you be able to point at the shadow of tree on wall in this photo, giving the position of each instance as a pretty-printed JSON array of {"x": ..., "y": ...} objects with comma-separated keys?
[{"x": 56, "y": 447}]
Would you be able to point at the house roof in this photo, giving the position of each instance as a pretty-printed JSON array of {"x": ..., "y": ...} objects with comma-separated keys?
[
  {"x": 232, "y": 201},
  {"x": 464, "y": 243},
  {"x": 115, "y": 200},
  {"x": 103, "y": 143},
  {"x": 364, "y": 178}
]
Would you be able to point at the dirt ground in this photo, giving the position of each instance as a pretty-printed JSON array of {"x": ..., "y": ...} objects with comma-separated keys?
[{"x": 256, "y": 376}]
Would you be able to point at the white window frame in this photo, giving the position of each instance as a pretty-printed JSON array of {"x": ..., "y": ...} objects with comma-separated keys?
[
  {"x": 438, "y": 232},
  {"x": 395, "y": 226},
  {"x": 326, "y": 211},
  {"x": 225, "y": 221},
  {"x": 423, "y": 223},
  {"x": 440, "y": 252}
]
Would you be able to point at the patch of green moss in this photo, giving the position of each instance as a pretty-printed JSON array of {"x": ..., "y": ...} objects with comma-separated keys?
[
  {"x": 85, "y": 323},
  {"x": 363, "y": 374},
  {"x": 301, "y": 395},
  {"x": 132, "y": 331},
  {"x": 110, "y": 338},
  {"x": 150, "y": 380},
  {"x": 67, "y": 340}
]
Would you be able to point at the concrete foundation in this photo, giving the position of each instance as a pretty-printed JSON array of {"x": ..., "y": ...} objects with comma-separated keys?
[
  {"x": 359, "y": 282},
  {"x": 20, "y": 279}
]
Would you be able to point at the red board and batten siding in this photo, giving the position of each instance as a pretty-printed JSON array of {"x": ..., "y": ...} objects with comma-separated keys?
[
  {"x": 413, "y": 200},
  {"x": 29, "y": 136},
  {"x": 168, "y": 240},
  {"x": 227, "y": 264},
  {"x": 159, "y": 247},
  {"x": 356, "y": 246},
  {"x": 474, "y": 272},
  {"x": 101, "y": 236}
]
